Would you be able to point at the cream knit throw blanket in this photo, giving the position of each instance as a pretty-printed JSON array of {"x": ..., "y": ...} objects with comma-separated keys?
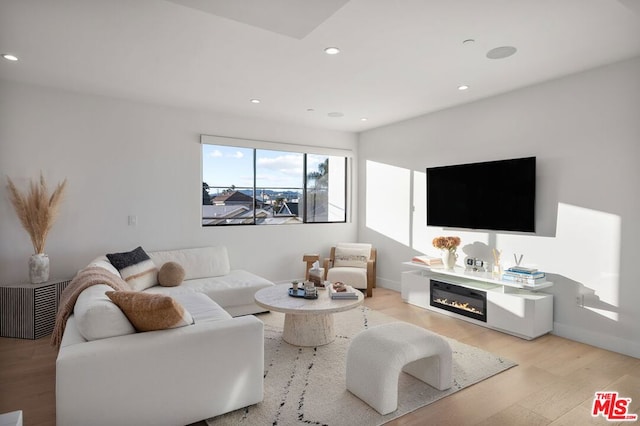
[{"x": 87, "y": 277}]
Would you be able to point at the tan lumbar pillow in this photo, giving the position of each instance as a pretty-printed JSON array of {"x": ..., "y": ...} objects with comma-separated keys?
[
  {"x": 171, "y": 274},
  {"x": 149, "y": 312}
]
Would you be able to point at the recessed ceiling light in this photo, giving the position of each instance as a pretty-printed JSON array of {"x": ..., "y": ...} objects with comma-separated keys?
[
  {"x": 501, "y": 52},
  {"x": 468, "y": 41},
  {"x": 310, "y": 109},
  {"x": 364, "y": 119},
  {"x": 335, "y": 114},
  {"x": 463, "y": 87},
  {"x": 331, "y": 50},
  {"x": 9, "y": 57},
  {"x": 255, "y": 101}
]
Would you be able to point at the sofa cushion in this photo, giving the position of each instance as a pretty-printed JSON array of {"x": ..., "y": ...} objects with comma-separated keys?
[
  {"x": 197, "y": 262},
  {"x": 149, "y": 312},
  {"x": 170, "y": 274},
  {"x": 355, "y": 277},
  {"x": 136, "y": 268},
  {"x": 201, "y": 307},
  {"x": 97, "y": 317},
  {"x": 234, "y": 289}
]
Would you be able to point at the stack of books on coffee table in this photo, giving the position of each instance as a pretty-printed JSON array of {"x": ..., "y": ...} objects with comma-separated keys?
[{"x": 349, "y": 293}]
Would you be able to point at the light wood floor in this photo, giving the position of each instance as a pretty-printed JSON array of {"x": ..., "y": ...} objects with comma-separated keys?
[{"x": 553, "y": 384}]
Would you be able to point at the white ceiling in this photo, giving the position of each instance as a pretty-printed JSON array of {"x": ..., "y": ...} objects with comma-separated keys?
[{"x": 399, "y": 59}]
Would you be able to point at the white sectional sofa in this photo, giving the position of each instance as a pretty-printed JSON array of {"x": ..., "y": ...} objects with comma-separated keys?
[
  {"x": 109, "y": 374},
  {"x": 208, "y": 271}
]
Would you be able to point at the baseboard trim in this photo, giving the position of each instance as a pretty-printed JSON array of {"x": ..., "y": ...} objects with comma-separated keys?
[
  {"x": 388, "y": 284},
  {"x": 611, "y": 343}
]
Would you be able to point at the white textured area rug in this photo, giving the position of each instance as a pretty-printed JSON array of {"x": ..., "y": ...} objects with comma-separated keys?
[{"x": 306, "y": 386}]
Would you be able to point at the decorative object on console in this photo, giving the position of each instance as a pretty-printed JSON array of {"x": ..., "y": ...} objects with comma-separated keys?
[
  {"x": 149, "y": 312},
  {"x": 171, "y": 274},
  {"x": 497, "y": 266},
  {"x": 448, "y": 245},
  {"x": 37, "y": 211},
  {"x": 449, "y": 259},
  {"x": 474, "y": 264},
  {"x": 136, "y": 268},
  {"x": 518, "y": 259}
]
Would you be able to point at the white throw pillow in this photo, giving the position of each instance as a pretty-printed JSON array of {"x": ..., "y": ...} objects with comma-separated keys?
[
  {"x": 97, "y": 317},
  {"x": 352, "y": 256},
  {"x": 201, "y": 307}
]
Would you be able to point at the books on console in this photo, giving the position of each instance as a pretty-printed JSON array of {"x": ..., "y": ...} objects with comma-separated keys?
[
  {"x": 427, "y": 260},
  {"x": 523, "y": 270},
  {"x": 519, "y": 274},
  {"x": 534, "y": 274},
  {"x": 523, "y": 280}
]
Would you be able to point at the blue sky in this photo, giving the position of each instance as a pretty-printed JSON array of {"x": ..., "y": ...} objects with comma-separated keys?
[{"x": 226, "y": 166}]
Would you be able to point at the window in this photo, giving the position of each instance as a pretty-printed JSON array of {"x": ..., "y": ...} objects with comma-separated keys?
[
  {"x": 253, "y": 186},
  {"x": 325, "y": 188}
]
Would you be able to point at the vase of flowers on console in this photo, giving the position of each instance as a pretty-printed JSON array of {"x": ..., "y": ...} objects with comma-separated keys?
[{"x": 448, "y": 246}]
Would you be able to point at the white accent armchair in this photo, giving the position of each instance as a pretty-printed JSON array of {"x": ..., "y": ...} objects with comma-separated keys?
[{"x": 353, "y": 264}]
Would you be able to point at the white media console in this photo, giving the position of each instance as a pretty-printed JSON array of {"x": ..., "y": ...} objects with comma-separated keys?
[{"x": 512, "y": 308}]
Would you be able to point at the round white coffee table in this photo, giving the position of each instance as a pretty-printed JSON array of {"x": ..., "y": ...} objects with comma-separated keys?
[{"x": 307, "y": 322}]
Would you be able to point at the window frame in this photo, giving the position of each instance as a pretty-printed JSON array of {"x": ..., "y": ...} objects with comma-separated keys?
[{"x": 305, "y": 150}]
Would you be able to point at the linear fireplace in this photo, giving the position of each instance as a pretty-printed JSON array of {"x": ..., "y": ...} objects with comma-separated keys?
[{"x": 461, "y": 300}]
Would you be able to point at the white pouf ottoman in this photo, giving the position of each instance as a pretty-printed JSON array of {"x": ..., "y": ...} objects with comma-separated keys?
[{"x": 376, "y": 357}]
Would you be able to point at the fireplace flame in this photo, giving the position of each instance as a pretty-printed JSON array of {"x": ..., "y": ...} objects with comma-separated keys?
[{"x": 456, "y": 304}]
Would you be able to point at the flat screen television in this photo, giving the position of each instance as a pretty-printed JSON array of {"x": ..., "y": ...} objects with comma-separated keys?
[{"x": 493, "y": 195}]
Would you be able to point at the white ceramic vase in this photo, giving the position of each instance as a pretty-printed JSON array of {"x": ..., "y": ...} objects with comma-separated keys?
[
  {"x": 449, "y": 258},
  {"x": 38, "y": 268}
]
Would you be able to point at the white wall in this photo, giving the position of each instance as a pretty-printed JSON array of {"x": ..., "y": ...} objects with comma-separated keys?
[
  {"x": 585, "y": 132},
  {"x": 123, "y": 158}
]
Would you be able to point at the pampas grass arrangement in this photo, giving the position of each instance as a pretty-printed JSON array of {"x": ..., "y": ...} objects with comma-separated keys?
[{"x": 36, "y": 209}]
